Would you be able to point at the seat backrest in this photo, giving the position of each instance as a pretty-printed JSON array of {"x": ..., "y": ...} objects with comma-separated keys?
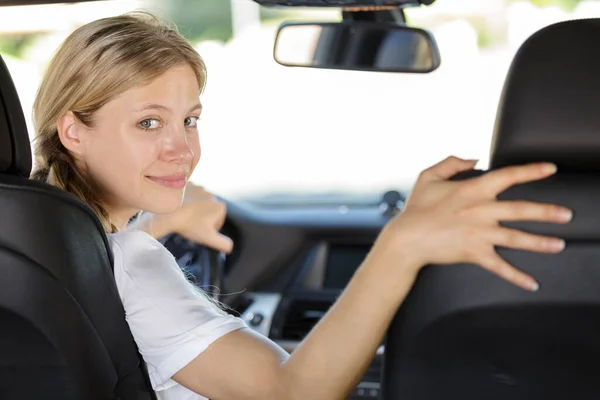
[
  {"x": 464, "y": 333},
  {"x": 63, "y": 333}
]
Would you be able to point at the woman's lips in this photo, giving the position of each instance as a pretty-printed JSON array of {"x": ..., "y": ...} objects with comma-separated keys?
[{"x": 176, "y": 181}]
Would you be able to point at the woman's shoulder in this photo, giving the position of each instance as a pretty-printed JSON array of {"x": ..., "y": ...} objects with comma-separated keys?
[
  {"x": 143, "y": 267},
  {"x": 134, "y": 240},
  {"x": 135, "y": 250}
]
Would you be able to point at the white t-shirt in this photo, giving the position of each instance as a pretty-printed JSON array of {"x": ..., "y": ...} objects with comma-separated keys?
[{"x": 170, "y": 322}]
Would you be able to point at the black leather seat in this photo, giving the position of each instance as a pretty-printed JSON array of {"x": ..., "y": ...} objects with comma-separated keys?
[
  {"x": 63, "y": 333},
  {"x": 466, "y": 334}
]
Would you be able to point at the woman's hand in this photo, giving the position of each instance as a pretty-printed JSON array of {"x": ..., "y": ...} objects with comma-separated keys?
[
  {"x": 199, "y": 220},
  {"x": 447, "y": 222}
]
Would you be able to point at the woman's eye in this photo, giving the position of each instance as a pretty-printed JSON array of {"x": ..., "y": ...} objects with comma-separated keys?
[
  {"x": 191, "y": 122},
  {"x": 150, "y": 123}
]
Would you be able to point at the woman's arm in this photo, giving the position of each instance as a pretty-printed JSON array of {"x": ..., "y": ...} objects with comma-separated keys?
[
  {"x": 244, "y": 365},
  {"x": 443, "y": 222}
]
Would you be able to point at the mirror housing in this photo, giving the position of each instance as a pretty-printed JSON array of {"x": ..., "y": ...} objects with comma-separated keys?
[
  {"x": 345, "y": 3},
  {"x": 356, "y": 45}
]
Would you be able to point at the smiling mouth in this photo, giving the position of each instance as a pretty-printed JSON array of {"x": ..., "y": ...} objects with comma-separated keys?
[{"x": 177, "y": 181}]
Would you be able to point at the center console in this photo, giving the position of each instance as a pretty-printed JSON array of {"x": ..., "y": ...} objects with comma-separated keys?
[{"x": 330, "y": 265}]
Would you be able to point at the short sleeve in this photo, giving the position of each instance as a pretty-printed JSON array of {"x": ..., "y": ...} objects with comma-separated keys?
[{"x": 171, "y": 321}]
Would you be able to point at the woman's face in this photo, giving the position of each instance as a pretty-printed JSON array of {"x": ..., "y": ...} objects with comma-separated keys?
[{"x": 143, "y": 145}]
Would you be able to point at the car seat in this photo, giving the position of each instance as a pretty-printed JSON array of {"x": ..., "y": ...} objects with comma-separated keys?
[
  {"x": 464, "y": 333},
  {"x": 63, "y": 333}
]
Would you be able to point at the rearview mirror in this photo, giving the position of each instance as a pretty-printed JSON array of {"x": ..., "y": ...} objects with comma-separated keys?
[
  {"x": 356, "y": 45},
  {"x": 343, "y": 3}
]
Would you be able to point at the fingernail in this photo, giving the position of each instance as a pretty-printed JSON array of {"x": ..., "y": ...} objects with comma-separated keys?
[
  {"x": 565, "y": 214},
  {"x": 557, "y": 245},
  {"x": 533, "y": 286},
  {"x": 549, "y": 168}
]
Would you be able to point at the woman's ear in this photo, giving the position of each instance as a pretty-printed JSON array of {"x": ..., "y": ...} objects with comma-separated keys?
[{"x": 70, "y": 132}]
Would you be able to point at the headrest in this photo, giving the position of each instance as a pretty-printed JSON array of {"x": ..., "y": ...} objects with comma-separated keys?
[
  {"x": 550, "y": 106},
  {"x": 15, "y": 150}
]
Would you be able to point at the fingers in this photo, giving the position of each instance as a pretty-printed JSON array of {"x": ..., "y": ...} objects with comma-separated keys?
[
  {"x": 515, "y": 239},
  {"x": 499, "y": 180},
  {"x": 447, "y": 168},
  {"x": 219, "y": 242},
  {"x": 495, "y": 264},
  {"x": 219, "y": 213},
  {"x": 517, "y": 210}
]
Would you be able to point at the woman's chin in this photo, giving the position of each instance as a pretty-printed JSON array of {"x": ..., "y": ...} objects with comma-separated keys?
[{"x": 164, "y": 205}]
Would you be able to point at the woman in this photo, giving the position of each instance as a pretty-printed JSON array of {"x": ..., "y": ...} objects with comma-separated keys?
[{"x": 115, "y": 120}]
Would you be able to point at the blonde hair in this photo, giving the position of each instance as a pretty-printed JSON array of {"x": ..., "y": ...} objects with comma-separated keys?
[{"x": 96, "y": 63}]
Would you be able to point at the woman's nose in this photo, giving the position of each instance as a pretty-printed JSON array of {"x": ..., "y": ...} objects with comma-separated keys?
[{"x": 177, "y": 147}]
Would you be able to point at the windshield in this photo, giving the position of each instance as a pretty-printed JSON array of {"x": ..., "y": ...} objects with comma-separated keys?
[{"x": 270, "y": 129}]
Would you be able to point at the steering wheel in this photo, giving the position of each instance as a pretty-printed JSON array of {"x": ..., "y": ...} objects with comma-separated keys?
[{"x": 203, "y": 266}]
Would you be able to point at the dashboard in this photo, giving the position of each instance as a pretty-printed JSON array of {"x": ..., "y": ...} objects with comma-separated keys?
[
  {"x": 291, "y": 262},
  {"x": 276, "y": 246}
]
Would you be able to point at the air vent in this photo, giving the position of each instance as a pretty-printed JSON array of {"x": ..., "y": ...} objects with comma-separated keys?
[{"x": 302, "y": 316}]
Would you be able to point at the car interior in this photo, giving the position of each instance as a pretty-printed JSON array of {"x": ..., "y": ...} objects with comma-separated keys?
[{"x": 462, "y": 333}]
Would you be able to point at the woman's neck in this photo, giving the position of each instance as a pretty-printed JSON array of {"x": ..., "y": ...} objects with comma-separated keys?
[{"x": 120, "y": 218}]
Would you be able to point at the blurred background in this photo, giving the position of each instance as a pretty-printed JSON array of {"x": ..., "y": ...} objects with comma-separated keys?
[{"x": 267, "y": 129}]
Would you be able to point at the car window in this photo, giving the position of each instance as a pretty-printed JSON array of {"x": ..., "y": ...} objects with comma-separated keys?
[{"x": 271, "y": 129}]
